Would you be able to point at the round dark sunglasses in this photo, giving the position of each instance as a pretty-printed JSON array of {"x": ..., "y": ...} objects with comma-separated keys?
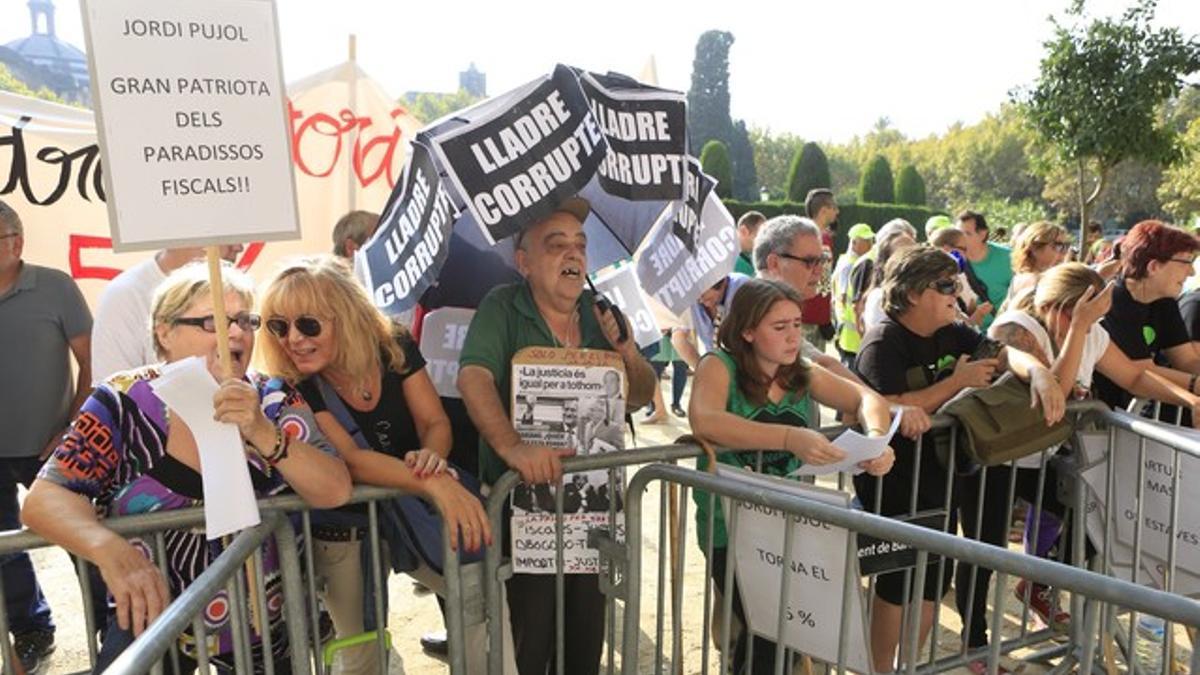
[
  {"x": 247, "y": 322},
  {"x": 309, "y": 326}
]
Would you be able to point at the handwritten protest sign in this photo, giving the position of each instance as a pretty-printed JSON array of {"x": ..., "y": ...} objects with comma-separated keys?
[
  {"x": 442, "y": 334},
  {"x": 192, "y": 117},
  {"x": 690, "y": 248},
  {"x": 571, "y": 398},
  {"x": 813, "y": 608}
]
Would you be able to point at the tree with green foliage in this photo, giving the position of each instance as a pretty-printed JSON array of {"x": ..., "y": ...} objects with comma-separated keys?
[
  {"x": 876, "y": 185},
  {"x": 429, "y": 106},
  {"x": 773, "y": 156},
  {"x": 708, "y": 111},
  {"x": 810, "y": 169},
  {"x": 741, "y": 153},
  {"x": 1180, "y": 188},
  {"x": 1096, "y": 99},
  {"x": 708, "y": 97},
  {"x": 9, "y": 82},
  {"x": 714, "y": 160},
  {"x": 910, "y": 187}
]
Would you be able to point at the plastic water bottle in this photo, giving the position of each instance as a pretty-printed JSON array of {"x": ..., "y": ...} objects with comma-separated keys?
[{"x": 1152, "y": 627}]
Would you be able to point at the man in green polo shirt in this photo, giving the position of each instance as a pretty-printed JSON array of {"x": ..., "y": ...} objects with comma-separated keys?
[{"x": 549, "y": 309}]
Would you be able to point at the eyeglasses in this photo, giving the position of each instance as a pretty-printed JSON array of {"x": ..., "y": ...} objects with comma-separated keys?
[
  {"x": 1185, "y": 261},
  {"x": 1060, "y": 246},
  {"x": 246, "y": 321},
  {"x": 809, "y": 261},
  {"x": 309, "y": 326},
  {"x": 947, "y": 286}
]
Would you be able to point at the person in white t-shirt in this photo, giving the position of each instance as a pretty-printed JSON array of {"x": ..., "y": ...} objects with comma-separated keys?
[
  {"x": 1057, "y": 321},
  {"x": 121, "y": 335}
]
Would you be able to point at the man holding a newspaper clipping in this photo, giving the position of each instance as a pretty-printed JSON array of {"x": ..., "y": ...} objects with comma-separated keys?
[{"x": 549, "y": 309}]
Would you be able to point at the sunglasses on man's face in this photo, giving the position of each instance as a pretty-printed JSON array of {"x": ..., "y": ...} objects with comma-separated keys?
[
  {"x": 309, "y": 326},
  {"x": 248, "y": 322},
  {"x": 946, "y": 286}
]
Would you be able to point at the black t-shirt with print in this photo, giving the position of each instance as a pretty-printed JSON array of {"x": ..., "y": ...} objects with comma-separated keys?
[
  {"x": 1142, "y": 330},
  {"x": 894, "y": 360}
]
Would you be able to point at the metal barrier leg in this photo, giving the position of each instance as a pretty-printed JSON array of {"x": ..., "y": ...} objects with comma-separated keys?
[{"x": 293, "y": 596}]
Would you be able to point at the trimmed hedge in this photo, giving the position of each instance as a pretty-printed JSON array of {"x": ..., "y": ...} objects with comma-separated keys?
[
  {"x": 809, "y": 169},
  {"x": 874, "y": 215},
  {"x": 910, "y": 187},
  {"x": 714, "y": 161},
  {"x": 876, "y": 183}
]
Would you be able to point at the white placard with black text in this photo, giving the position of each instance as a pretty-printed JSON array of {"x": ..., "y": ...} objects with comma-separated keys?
[{"x": 192, "y": 119}]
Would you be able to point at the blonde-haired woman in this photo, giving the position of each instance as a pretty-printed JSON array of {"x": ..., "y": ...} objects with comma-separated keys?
[
  {"x": 126, "y": 453},
  {"x": 1056, "y": 321},
  {"x": 1037, "y": 248},
  {"x": 366, "y": 382}
]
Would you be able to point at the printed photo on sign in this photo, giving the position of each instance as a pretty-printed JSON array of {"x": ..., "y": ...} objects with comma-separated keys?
[
  {"x": 518, "y": 156},
  {"x": 647, "y": 139},
  {"x": 567, "y": 398}
]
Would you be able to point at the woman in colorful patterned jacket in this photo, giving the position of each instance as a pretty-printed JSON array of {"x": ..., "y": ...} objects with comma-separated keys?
[{"x": 128, "y": 453}]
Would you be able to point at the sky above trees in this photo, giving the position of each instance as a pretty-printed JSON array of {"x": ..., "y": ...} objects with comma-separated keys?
[{"x": 824, "y": 71}]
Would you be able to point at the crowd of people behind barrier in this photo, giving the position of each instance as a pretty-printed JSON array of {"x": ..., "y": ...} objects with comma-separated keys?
[{"x": 339, "y": 394}]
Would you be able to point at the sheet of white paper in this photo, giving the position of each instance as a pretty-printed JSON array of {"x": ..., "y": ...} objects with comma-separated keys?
[
  {"x": 858, "y": 448},
  {"x": 187, "y": 388}
]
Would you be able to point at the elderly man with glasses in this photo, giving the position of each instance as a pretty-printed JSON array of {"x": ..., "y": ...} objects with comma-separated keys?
[{"x": 789, "y": 249}]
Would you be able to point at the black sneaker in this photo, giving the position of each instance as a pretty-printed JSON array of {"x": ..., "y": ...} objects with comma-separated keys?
[
  {"x": 32, "y": 648},
  {"x": 678, "y": 411}
]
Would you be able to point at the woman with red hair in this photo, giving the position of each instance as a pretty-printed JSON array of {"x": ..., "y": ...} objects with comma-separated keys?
[{"x": 1144, "y": 321}]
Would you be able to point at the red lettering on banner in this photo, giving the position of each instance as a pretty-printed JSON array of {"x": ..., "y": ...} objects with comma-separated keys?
[
  {"x": 78, "y": 242},
  {"x": 319, "y": 160}
]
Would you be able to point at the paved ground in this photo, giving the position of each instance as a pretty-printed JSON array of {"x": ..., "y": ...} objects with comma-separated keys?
[{"x": 413, "y": 613}]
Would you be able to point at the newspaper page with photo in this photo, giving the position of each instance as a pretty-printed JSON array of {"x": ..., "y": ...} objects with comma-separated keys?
[{"x": 569, "y": 398}]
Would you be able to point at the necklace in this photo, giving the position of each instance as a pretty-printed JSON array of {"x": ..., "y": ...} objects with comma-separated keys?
[
  {"x": 565, "y": 340},
  {"x": 360, "y": 391}
]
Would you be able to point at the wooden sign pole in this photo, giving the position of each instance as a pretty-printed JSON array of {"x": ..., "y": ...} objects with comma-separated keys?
[{"x": 217, "y": 286}]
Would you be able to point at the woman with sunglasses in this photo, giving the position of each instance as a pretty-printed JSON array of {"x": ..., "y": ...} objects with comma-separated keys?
[
  {"x": 366, "y": 381},
  {"x": 127, "y": 453},
  {"x": 1037, "y": 248},
  {"x": 920, "y": 355}
]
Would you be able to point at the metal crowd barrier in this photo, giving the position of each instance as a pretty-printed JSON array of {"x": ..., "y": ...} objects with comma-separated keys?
[
  {"x": 1108, "y": 603},
  {"x": 1141, "y": 519},
  {"x": 158, "y": 641}
]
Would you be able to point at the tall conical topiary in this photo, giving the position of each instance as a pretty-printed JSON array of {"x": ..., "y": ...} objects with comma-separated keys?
[
  {"x": 809, "y": 169},
  {"x": 876, "y": 185},
  {"x": 714, "y": 160},
  {"x": 910, "y": 187}
]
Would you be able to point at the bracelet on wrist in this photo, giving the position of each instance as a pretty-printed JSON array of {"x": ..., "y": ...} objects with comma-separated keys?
[
  {"x": 1192, "y": 384},
  {"x": 278, "y": 453},
  {"x": 876, "y": 431}
]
